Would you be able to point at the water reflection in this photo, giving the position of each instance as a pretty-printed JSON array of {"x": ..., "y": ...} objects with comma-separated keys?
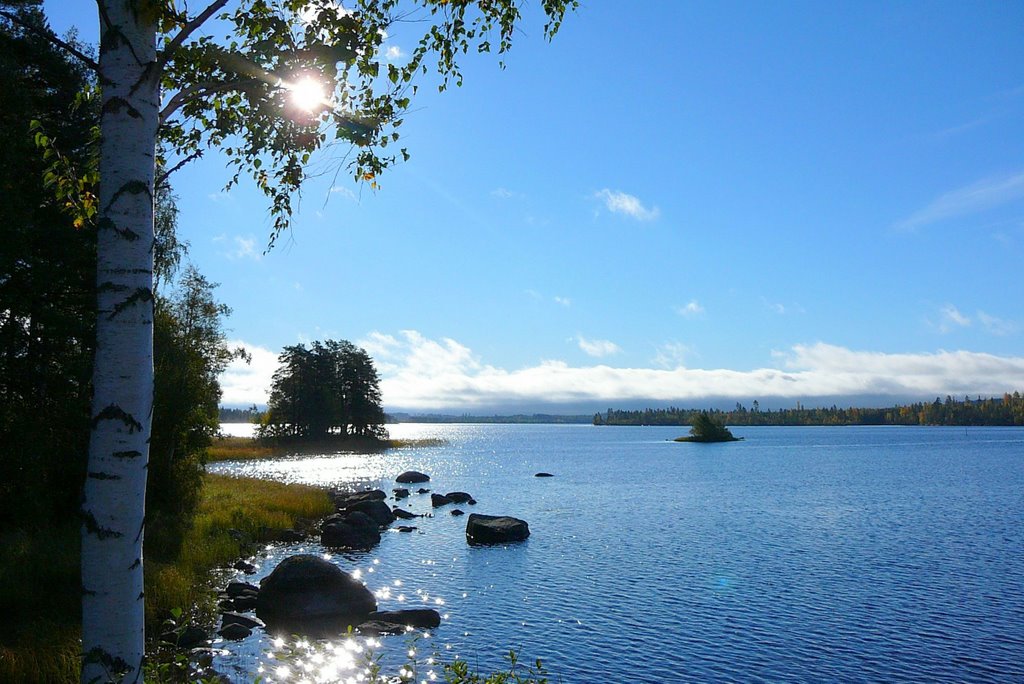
[{"x": 896, "y": 552}]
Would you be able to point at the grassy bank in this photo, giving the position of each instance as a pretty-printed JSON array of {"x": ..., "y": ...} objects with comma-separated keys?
[
  {"x": 247, "y": 448},
  {"x": 39, "y": 572}
]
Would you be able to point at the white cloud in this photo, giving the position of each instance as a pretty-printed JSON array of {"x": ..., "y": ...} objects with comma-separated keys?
[
  {"x": 984, "y": 194},
  {"x": 245, "y": 384},
  {"x": 244, "y": 248},
  {"x": 597, "y": 348},
  {"x": 693, "y": 308},
  {"x": 622, "y": 203},
  {"x": 394, "y": 52},
  {"x": 996, "y": 326},
  {"x": 344, "y": 192},
  {"x": 504, "y": 193},
  {"x": 671, "y": 355},
  {"x": 951, "y": 318},
  {"x": 564, "y": 301},
  {"x": 423, "y": 374}
]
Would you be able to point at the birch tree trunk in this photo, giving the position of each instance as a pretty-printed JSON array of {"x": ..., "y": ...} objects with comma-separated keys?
[{"x": 113, "y": 508}]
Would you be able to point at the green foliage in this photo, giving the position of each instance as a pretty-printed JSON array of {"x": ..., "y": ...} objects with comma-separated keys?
[
  {"x": 47, "y": 289},
  {"x": 331, "y": 388},
  {"x": 190, "y": 351},
  {"x": 706, "y": 429},
  {"x": 232, "y": 91}
]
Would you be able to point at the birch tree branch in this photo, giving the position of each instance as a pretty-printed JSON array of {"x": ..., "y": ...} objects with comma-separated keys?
[{"x": 52, "y": 38}]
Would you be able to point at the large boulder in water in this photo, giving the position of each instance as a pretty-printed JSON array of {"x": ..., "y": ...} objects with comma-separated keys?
[
  {"x": 378, "y": 511},
  {"x": 345, "y": 500},
  {"x": 412, "y": 477},
  {"x": 308, "y": 595},
  {"x": 495, "y": 529},
  {"x": 459, "y": 497},
  {"x": 356, "y": 530}
]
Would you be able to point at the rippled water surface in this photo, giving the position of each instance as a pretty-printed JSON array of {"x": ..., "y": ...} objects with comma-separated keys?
[{"x": 798, "y": 554}]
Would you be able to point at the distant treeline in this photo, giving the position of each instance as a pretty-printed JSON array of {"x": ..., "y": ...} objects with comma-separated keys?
[
  {"x": 466, "y": 418},
  {"x": 1005, "y": 410},
  {"x": 234, "y": 415}
]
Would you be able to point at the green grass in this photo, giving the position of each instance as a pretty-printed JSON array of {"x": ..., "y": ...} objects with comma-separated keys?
[
  {"x": 239, "y": 448},
  {"x": 39, "y": 572},
  {"x": 40, "y": 603},
  {"x": 234, "y": 514},
  {"x": 247, "y": 448}
]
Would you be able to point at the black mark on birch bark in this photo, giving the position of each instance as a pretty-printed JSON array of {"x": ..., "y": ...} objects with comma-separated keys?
[
  {"x": 141, "y": 295},
  {"x": 114, "y": 412},
  {"x": 93, "y": 527},
  {"x": 108, "y": 224},
  {"x": 118, "y": 104}
]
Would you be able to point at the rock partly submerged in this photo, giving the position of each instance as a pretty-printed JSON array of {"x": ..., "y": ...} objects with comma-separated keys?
[
  {"x": 495, "y": 529},
  {"x": 355, "y": 530},
  {"x": 306, "y": 594},
  {"x": 412, "y": 477}
]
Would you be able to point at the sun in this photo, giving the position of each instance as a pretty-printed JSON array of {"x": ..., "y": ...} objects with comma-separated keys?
[{"x": 308, "y": 95}]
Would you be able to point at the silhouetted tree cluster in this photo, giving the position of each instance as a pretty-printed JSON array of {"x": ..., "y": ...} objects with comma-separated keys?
[
  {"x": 1005, "y": 410},
  {"x": 329, "y": 388},
  {"x": 47, "y": 282}
]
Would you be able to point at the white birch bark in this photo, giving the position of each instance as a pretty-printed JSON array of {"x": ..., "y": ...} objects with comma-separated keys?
[{"x": 113, "y": 507}]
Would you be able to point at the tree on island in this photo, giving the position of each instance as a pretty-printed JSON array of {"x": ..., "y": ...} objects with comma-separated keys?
[
  {"x": 705, "y": 429},
  {"x": 169, "y": 92},
  {"x": 328, "y": 389}
]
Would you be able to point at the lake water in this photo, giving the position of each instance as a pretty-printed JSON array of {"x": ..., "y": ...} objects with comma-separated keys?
[{"x": 799, "y": 554}]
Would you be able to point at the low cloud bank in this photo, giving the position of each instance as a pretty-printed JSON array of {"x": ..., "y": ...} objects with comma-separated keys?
[{"x": 421, "y": 374}]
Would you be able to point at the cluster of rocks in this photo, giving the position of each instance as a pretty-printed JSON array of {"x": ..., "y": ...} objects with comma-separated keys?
[
  {"x": 358, "y": 522},
  {"x": 309, "y": 595}
]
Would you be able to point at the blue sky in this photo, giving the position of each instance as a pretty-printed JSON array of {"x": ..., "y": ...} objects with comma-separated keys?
[{"x": 672, "y": 202}]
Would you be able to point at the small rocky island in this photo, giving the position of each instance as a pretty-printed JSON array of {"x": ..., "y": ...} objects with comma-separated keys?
[{"x": 705, "y": 429}]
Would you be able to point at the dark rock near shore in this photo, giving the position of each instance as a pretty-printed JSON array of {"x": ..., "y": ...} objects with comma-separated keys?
[
  {"x": 495, "y": 529},
  {"x": 419, "y": 618},
  {"x": 306, "y": 594},
  {"x": 422, "y": 490},
  {"x": 377, "y": 509},
  {"x": 458, "y": 511},
  {"x": 380, "y": 628},
  {"x": 238, "y": 588},
  {"x": 188, "y": 637},
  {"x": 403, "y": 514},
  {"x": 244, "y": 566},
  {"x": 400, "y": 492},
  {"x": 437, "y": 500},
  {"x": 344, "y": 500},
  {"x": 459, "y": 497},
  {"x": 290, "y": 536},
  {"x": 543, "y": 475},
  {"x": 234, "y": 632},
  {"x": 245, "y": 602},
  {"x": 472, "y": 502},
  {"x": 243, "y": 620},
  {"x": 406, "y": 528},
  {"x": 412, "y": 477},
  {"x": 356, "y": 531}
]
